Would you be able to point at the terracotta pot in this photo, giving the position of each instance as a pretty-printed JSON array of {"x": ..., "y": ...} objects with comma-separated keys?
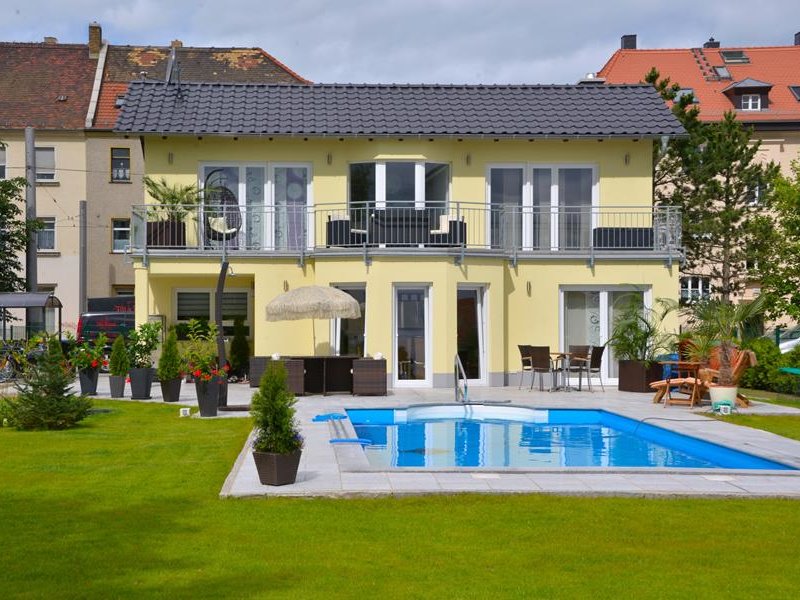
[
  {"x": 171, "y": 389},
  {"x": 117, "y": 384},
  {"x": 636, "y": 376},
  {"x": 88, "y": 380},
  {"x": 277, "y": 469},
  {"x": 207, "y": 397}
]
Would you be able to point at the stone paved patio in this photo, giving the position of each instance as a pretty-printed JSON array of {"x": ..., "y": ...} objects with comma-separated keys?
[{"x": 343, "y": 470}]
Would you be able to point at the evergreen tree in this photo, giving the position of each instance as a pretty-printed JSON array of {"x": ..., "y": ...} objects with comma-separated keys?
[
  {"x": 45, "y": 399},
  {"x": 714, "y": 175},
  {"x": 119, "y": 364},
  {"x": 170, "y": 364},
  {"x": 273, "y": 413}
]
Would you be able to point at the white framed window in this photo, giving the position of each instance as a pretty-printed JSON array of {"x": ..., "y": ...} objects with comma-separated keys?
[
  {"x": 45, "y": 164},
  {"x": 46, "y": 236},
  {"x": 399, "y": 184},
  {"x": 542, "y": 206},
  {"x": 120, "y": 164},
  {"x": 695, "y": 288},
  {"x": 2, "y": 162},
  {"x": 350, "y": 335},
  {"x": 120, "y": 234},
  {"x": 198, "y": 303},
  {"x": 751, "y": 101}
]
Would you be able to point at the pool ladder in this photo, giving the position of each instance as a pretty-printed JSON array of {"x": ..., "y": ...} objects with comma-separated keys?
[{"x": 460, "y": 381}]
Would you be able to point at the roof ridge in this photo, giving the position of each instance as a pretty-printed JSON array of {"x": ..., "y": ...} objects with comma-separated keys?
[{"x": 404, "y": 85}]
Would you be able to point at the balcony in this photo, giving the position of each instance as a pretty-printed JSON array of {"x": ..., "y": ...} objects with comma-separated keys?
[{"x": 457, "y": 229}]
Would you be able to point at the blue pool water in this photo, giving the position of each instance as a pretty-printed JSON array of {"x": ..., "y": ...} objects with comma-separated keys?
[{"x": 508, "y": 436}]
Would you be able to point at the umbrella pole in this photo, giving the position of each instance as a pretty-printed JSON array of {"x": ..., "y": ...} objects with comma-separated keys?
[{"x": 314, "y": 335}]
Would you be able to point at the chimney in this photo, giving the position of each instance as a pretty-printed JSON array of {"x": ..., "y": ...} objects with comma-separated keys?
[
  {"x": 95, "y": 39},
  {"x": 176, "y": 44},
  {"x": 49, "y": 39},
  {"x": 628, "y": 42},
  {"x": 797, "y": 39},
  {"x": 711, "y": 43}
]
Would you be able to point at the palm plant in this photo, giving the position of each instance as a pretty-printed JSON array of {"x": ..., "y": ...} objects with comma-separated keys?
[
  {"x": 723, "y": 323},
  {"x": 639, "y": 332},
  {"x": 174, "y": 201}
]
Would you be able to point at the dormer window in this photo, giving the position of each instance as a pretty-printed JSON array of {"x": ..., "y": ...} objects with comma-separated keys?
[
  {"x": 734, "y": 57},
  {"x": 722, "y": 72},
  {"x": 795, "y": 89},
  {"x": 751, "y": 102}
]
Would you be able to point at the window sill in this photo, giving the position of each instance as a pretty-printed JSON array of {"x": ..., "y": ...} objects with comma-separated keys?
[
  {"x": 128, "y": 181},
  {"x": 48, "y": 253},
  {"x": 47, "y": 183}
]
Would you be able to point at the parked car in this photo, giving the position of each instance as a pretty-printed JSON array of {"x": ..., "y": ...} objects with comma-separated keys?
[{"x": 112, "y": 316}]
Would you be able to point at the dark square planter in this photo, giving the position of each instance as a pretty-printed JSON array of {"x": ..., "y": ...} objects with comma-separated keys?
[
  {"x": 166, "y": 234},
  {"x": 171, "y": 390},
  {"x": 141, "y": 383},
  {"x": 277, "y": 469},
  {"x": 636, "y": 376},
  {"x": 207, "y": 397},
  {"x": 117, "y": 385},
  {"x": 88, "y": 381}
]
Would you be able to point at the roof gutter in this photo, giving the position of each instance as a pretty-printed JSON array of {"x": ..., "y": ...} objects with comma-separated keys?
[
  {"x": 449, "y": 136},
  {"x": 98, "y": 82}
]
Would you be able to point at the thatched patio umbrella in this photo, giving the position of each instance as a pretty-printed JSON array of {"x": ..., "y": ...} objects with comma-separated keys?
[{"x": 313, "y": 302}]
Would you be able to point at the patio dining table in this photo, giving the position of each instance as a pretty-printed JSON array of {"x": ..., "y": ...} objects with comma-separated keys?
[{"x": 563, "y": 358}]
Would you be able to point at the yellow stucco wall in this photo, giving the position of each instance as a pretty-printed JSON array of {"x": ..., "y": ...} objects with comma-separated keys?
[{"x": 513, "y": 316}]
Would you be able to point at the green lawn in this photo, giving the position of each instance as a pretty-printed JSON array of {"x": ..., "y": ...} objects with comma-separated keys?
[
  {"x": 773, "y": 397},
  {"x": 785, "y": 425},
  {"x": 127, "y": 506}
]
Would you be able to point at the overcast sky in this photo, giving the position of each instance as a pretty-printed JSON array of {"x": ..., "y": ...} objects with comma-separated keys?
[{"x": 415, "y": 41}]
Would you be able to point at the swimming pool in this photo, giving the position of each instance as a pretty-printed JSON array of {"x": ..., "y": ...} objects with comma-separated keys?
[{"x": 440, "y": 436}]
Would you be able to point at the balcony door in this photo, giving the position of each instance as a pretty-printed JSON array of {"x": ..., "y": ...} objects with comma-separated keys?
[
  {"x": 412, "y": 347},
  {"x": 291, "y": 199},
  {"x": 470, "y": 332}
]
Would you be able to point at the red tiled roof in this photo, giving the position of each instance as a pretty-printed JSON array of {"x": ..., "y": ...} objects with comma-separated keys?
[
  {"x": 693, "y": 68},
  {"x": 229, "y": 65},
  {"x": 46, "y": 86}
]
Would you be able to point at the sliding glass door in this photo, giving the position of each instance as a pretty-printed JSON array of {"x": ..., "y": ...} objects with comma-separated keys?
[
  {"x": 470, "y": 333},
  {"x": 412, "y": 356}
]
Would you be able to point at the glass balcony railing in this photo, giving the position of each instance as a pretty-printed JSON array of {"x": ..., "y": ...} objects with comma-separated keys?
[{"x": 458, "y": 226}]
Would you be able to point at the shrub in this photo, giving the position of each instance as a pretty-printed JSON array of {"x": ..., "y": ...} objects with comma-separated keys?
[
  {"x": 273, "y": 413},
  {"x": 201, "y": 350},
  {"x": 768, "y": 357},
  {"x": 170, "y": 364},
  {"x": 45, "y": 399},
  {"x": 119, "y": 364},
  {"x": 141, "y": 343},
  {"x": 89, "y": 355},
  {"x": 240, "y": 349}
]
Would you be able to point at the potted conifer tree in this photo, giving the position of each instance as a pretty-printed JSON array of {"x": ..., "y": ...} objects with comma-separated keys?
[
  {"x": 142, "y": 341},
  {"x": 278, "y": 444},
  {"x": 118, "y": 367},
  {"x": 170, "y": 368}
]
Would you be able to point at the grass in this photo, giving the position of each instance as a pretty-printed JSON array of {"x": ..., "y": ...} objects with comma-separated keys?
[
  {"x": 127, "y": 505},
  {"x": 785, "y": 425},
  {"x": 772, "y": 397}
]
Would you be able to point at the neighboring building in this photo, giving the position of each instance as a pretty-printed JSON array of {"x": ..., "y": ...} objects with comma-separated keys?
[
  {"x": 760, "y": 84},
  {"x": 71, "y": 93},
  {"x": 465, "y": 219},
  {"x": 47, "y": 86}
]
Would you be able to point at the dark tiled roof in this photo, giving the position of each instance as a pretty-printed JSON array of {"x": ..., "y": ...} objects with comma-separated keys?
[
  {"x": 397, "y": 110},
  {"x": 34, "y": 76}
]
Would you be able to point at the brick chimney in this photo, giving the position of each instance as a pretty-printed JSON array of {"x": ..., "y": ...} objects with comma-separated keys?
[
  {"x": 711, "y": 43},
  {"x": 95, "y": 39},
  {"x": 628, "y": 42},
  {"x": 797, "y": 39},
  {"x": 176, "y": 44},
  {"x": 49, "y": 39}
]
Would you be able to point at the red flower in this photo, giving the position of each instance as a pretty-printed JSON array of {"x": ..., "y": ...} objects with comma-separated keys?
[
  {"x": 94, "y": 363},
  {"x": 127, "y": 380},
  {"x": 197, "y": 373},
  {"x": 105, "y": 363},
  {"x": 227, "y": 367},
  {"x": 214, "y": 372}
]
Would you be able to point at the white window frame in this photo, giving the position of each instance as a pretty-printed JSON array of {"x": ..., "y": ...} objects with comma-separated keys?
[
  {"x": 751, "y": 102},
  {"x": 701, "y": 284},
  {"x": 483, "y": 337},
  {"x": 55, "y": 236},
  {"x": 336, "y": 324},
  {"x": 527, "y": 197},
  {"x": 414, "y": 383},
  {"x": 39, "y": 172},
  {"x": 127, "y": 177},
  {"x": 419, "y": 180},
  {"x": 115, "y": 229},
  {"x": 211, "y": 303}
]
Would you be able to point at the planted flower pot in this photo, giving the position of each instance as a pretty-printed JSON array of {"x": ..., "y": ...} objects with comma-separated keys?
[
  {"x": 88, "y": 380},
  {"x": 277, "y": 469},
  {"x": 637, "y": 375},
  {"x": 141, "y": 383},
  {"x": 207, "y": 396},
  {"x": 117, "y": 384}
]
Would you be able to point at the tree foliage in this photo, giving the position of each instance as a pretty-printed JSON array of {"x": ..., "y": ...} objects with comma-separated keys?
[
  {"x": 120, "y": 363},
  {"x": 713, "y": 175},
  {"x": 170, "y": 364},
  {"x": 273, "y": 413},
  {"x": 240, "y": 349},
  {"x": 45, "y": 399}
]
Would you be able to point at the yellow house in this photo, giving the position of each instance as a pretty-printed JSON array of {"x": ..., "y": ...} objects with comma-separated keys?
[{"x": 465, "y": 219}]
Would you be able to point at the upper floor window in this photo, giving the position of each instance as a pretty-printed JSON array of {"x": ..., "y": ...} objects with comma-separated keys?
[
  {"x": 46, "y": 236},
  {"x": 45, "y": 164},
  {"x": 751, "y": 102},
  {"x": 694, "y": 288},
  {"x": 2, "y": 163},
  {"x": 120, "y": 164},
  {"x": 120, "y": 234},
  {"x": 399, "y": 184}
]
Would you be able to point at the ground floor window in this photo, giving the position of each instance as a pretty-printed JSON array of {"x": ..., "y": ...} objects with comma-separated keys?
[
  {"x": 120, "y": 234},
  {"x": 694, "y": 288},
  {"x": 199, "y": 304},
  {"x": 470, "y": 333},
  {"x": 349, "y": 335}
]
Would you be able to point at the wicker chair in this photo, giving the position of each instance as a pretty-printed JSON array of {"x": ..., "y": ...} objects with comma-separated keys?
[
  {"x": 541, "y": 363},
  {"x": 579, "y": 362},
  {"x": 590, "y": 365},
  {"x": 525, "y": 360}
]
